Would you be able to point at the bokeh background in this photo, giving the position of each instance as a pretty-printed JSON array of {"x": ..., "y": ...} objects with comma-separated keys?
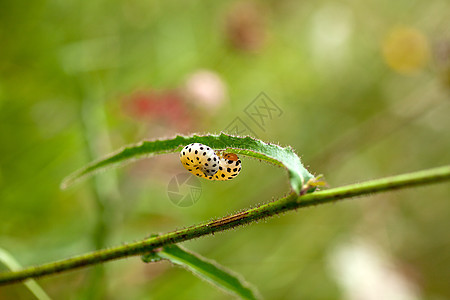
[{"x": 364, "y": 91}]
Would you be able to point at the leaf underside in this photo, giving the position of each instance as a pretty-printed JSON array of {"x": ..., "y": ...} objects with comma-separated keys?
[
  {"x": 205, "y": 269},
  {"x": 284, "y": 157}
]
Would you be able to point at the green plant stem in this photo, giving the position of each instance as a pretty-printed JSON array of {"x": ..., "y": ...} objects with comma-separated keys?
[
  {"x": 9, "y": 261},
  {"x": 291, "y": 202},
  {"x": 103, "y": 186}
]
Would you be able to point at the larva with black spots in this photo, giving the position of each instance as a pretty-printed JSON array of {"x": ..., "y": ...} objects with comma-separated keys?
[
  {"x": 200, "y": 160},
  {"x": 203, "y": 162},
  {"x": 229, "y": 167}
]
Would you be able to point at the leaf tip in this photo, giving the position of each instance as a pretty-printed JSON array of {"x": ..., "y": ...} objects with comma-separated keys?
[
  {"x": 69, "y": 180},
  {"x": 65, "y": 183}
]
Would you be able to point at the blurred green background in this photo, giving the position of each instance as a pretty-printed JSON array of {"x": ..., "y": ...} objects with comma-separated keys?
[{"x": 364, "y": 93}]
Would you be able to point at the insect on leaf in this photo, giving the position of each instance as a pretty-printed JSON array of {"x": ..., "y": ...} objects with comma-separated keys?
[{"x": 300, "y": 179}]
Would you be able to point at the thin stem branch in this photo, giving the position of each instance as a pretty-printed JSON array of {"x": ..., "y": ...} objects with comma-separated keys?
[{"x": 291, "y": 202}]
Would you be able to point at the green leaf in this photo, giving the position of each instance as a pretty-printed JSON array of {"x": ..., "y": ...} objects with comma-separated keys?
[
  {"x": 301, "y": 180},
  {"x": 11, "y": 263},
  {"x": 205, "y": 269}
]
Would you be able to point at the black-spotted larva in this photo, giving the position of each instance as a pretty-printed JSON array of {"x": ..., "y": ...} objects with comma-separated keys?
[
  {"x": 229, "y": 167},
  {"x": 203, "y": 161}
]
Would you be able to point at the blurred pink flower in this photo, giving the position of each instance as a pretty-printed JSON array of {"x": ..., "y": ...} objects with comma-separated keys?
[
  {"x": 163, "y": 106},
  {"x": 206, "y": 89}
]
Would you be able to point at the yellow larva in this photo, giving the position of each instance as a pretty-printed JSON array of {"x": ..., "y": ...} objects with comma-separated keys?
[{"x": 203, "y": 161}]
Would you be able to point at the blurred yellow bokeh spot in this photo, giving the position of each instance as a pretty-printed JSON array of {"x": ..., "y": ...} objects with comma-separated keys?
[{"x": 405, "y": 50}]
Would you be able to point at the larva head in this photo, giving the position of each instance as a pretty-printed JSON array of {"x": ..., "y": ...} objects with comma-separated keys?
[
  {"x": 200, "y": 160},
  {"x": 231, "y": 156}
]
